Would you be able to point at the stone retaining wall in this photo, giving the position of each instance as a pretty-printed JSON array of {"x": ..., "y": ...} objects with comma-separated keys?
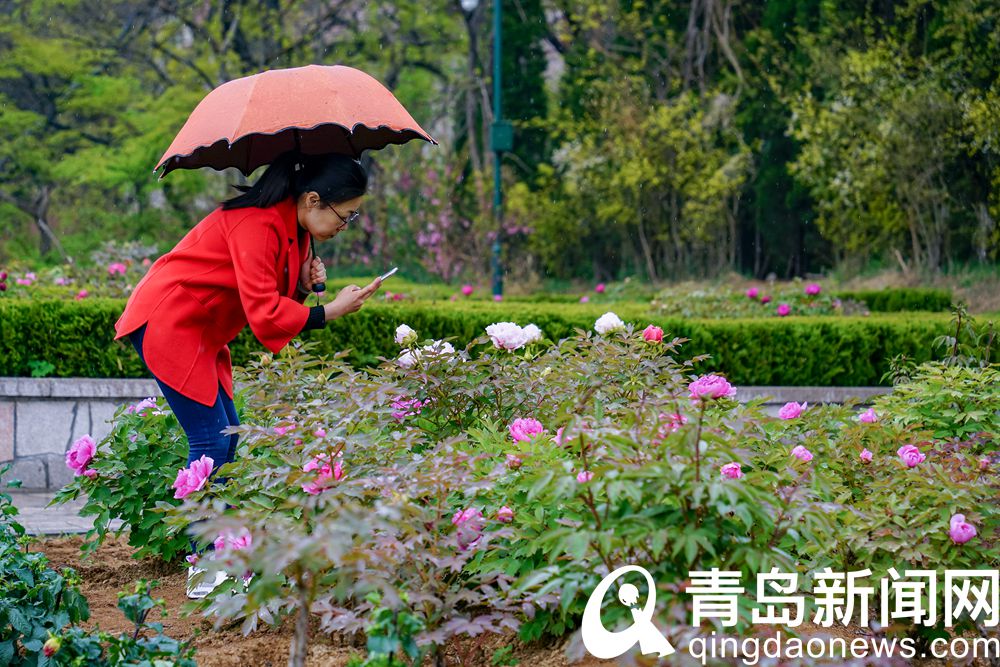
[{"x": 40, "y": 418}]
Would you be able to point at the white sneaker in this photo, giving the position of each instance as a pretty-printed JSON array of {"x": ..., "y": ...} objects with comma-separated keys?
[{"x": 205, "y": 586}]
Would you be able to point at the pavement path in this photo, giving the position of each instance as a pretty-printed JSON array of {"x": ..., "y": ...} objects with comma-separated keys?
[{"x": 38, "y": 519}]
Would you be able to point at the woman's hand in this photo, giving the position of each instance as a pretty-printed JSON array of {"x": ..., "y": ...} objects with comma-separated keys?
[
  {"x": 313, "y": 271},
  {"x": 350, "y": 299}
]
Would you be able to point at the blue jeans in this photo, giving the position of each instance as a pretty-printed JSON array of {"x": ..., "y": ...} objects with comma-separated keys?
[{"x": 202, "y": 424}]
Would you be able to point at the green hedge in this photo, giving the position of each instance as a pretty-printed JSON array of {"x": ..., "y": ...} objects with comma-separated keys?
[
  {"x": 76, "y": 337},
  {"x": 900, "y": 299}
]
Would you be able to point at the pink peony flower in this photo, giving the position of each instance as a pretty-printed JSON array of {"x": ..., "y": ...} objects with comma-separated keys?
[
  {"x": 584, "y": 299},
  {"x": 869, "y": 416},
  {"x": 802, "y": 454},
  {"x": 765, "y": 299},
  {"x": 866, "y": 456},
  {"x": 82, "y": 294},
  {"x": 319, "y": 433},
  {"x": 812, "y": 289},
  {"x": 513, "y": 461},
  {"x": 784, "y": 309},
  {"x": 732, "y": 471},
  {"x": 910, "y": 455},
  {"x": 406, "y": 407},
  {"x": 584, "y": 476},
  {"x": 984, "y": 464},
  {"x": 463, "y": 516},
  {"x": 791, "y": 410},
  {"x": 652, "y": 334},
  {"x": 143, "y": 405},
  {"x": 467, "y": 290},
  {"x": 282, "y": 430},
  {"x": 508, "y": 335},
  {"x": 505, "y": 514},
  {"x": 193, "y": 477},
  {"x": 752, "y": 293},
  {"x": 711, "y": 386},
  {"x": 146, "y": 261},
  {"x": 498, "y": 297},
  {"x": 523, "y": 430},
  {"x": 229, "y": 541},
  {"x": 117, "y": 268},
  {"x": 959, "y": 531},
  {"x": 25, "y": 282},
  {"x": 90, "y": 473},
  {"x": 192, "y": 559},
  {"x": 397, "y": 296},
  {"x": 80, "y": 454},
  {"x": 599, "y": 288}
]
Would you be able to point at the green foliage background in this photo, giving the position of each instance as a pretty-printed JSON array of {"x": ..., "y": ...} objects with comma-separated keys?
[{"x": 661, "y": 138}]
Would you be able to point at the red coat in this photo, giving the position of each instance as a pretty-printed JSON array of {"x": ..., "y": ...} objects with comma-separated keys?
[{"x": 235, "y": 267}]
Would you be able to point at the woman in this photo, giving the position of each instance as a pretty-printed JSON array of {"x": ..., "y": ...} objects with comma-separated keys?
[{"x": 249, "y": 261}]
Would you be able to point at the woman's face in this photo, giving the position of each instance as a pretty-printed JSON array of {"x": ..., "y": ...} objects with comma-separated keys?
[{"x": 324, "y": 221}]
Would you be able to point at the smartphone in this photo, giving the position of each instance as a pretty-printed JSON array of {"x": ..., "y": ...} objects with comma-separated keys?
[{"x": 388, "y": 273}]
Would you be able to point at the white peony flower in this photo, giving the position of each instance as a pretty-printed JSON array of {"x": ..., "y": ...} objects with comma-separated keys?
[
  {"x": 607, "y": 323},
  {"x": 507, "y": 335},
  {"x": 408, "y": 358},
  {"x": 533, "y": 333},
  {"x": 405, "y": 335},
  {"x": 439, "y": 347}
]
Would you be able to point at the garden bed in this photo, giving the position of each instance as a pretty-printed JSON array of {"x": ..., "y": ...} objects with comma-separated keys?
[{"x": 112, "y": 568}]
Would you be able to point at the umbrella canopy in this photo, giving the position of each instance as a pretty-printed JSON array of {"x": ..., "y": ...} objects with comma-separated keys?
[{"x": 316, "y": 109}]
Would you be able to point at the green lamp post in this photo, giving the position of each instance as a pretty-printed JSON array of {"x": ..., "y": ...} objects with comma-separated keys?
[{"x": 501, "y": 140}]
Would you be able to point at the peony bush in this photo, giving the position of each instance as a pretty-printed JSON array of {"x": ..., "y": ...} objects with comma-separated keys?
[{"x": 488, "y": 488}]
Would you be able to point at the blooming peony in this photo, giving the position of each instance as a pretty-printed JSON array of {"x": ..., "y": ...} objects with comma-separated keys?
[
  {"x": 608, "y": 323},
  {"x": 229, "y": 541},
  {"x": 812, "y": 289},
  {"x": 584, "y": 476},
  {"x": 802, "y": 454},
  {"x": 467, "y": 290},
  {"x": 507, "y": 335},
  {"x": 408, "y": 359},
  {"x": 326, "y": 473},
  {"x": 117, "y": 268},
  {"x": 765, "y": 299},
  {"x": 82, "y": 294},
  {"x": 959, "y": 531},
  {"x": 80, "y": 454},
  {"x": 141, "y": 406},
  {"x": 910, "y": 455},
  {"x": 711, "y": 386},
  {"x": 869, "y": 416},
  {"x": 784, "y": 309},
  {"x": 498, "y": 297},
  {"x": 505, "y": 514},
  {"x": 584, "y": 299},
  {"x": 791, "y": 410},
  {"x": 463, "y": 516},
  {"x": 406, "y": 407},
  {"x": 599, "y": 288},
  {"x": 193, "y": 477},
  {"x": 866, "y": 456},
  {"x": 752, "y": 293},
  {"x": 282, "y": 430},
  {"x": 732, "y": 471},
  {"x": 533, "y": 334},
  {"x": 652, "y": 334},
  {"x": 405, "y": 335},
  {"x": 523, "y": 430},
  {"x": 320, "y": 433}
]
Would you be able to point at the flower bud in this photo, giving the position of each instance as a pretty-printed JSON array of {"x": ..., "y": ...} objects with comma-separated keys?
[{"x": 51, "y": 646}]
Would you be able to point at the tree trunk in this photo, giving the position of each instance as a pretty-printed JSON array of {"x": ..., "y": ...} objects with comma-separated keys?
[{"x": 300, "y": 641}]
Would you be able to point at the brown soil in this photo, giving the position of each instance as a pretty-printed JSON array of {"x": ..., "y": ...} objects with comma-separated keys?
[{"x": 112, "y": 569}]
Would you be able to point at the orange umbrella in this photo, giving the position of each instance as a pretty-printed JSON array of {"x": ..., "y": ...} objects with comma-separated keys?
[{"x": 315, "y": 109}]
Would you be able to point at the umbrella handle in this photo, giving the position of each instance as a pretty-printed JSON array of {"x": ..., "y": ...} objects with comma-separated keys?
[{"x": 317, "y": 287}]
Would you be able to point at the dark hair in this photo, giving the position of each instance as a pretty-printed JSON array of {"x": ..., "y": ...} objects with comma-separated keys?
[{"x": 334, "y": 177}]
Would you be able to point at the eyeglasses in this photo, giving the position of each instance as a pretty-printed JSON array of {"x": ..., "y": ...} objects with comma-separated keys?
[{"x": 348, "y": 220}]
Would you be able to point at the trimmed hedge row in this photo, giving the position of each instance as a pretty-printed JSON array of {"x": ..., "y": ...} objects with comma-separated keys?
[
  {"x": 77, "y": 338},
  {"x": 900, "y": 299}
]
